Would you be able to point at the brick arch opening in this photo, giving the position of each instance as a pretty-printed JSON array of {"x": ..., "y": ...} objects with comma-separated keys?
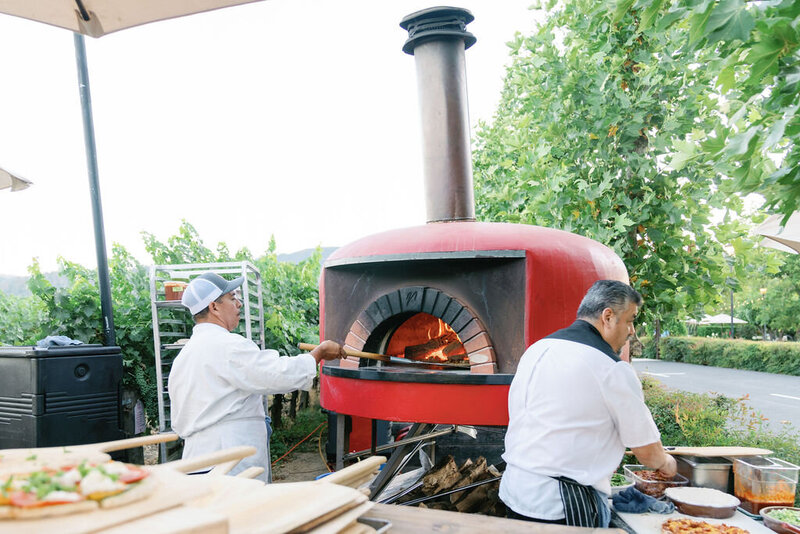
[{"x": 373, "y": 329}]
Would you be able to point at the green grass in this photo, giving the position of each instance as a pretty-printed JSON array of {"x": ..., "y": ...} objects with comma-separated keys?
[{"x": 292, "y": 432}]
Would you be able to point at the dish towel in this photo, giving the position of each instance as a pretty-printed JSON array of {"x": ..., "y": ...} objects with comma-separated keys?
[
  {"x": 634, "y": 501},
  {"x": 57, "y": 341}
]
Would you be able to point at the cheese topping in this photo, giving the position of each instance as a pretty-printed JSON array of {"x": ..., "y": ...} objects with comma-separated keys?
[
  {"x": 115, "y": 468},
  {"x": 68, "y": 478},
  {"x": 97, "y": 482},
  {"x": 62, "y": 496}
]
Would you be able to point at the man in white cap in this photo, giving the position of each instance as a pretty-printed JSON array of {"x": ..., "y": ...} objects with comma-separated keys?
[{"x": 217, "y": 380}]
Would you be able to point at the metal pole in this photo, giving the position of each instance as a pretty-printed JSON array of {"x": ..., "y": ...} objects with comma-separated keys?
[
  {"x": 94, "y": 190},
  {"x": 731, "y": 260}
]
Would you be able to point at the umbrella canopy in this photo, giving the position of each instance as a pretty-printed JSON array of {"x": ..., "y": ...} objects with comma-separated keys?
[
  {"x": 786, "y": 237},
  {"x": 100, "y": 17},
  {"x": 721, "y": 318},
  {"x": 8, "y": 180}
]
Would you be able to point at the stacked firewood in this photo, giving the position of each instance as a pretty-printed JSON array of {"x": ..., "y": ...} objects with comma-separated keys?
[{"x": 447, "y": 475}]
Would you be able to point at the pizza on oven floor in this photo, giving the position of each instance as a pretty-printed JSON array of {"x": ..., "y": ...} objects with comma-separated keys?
[
  {"x": 695, "y": 526},
  {"x": 84, "y": 487}
]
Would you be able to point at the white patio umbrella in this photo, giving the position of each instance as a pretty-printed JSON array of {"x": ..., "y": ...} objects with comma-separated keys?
[
  {"x": 100, "y": 17},
  {"x": 721, "y": 318},
  {"x": 782, "y": 237},
  {"x": 13, "y": 182},
  {"x": 96, "y": 18}
]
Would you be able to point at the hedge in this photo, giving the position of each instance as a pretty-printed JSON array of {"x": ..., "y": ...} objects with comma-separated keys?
[{"x": 767, "y": 356}]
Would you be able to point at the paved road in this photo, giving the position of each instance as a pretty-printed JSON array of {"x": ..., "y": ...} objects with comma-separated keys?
[{"x": 775, "y": 396}]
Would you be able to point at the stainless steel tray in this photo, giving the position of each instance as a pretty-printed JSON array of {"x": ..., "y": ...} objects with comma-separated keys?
[{"x": 380, "y": 525}]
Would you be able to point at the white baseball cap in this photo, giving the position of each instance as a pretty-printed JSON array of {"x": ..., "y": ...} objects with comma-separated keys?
[{"x": 205, "y": 289}]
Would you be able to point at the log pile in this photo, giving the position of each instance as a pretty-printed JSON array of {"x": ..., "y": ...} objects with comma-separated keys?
[{"x": 446, "y": 475}]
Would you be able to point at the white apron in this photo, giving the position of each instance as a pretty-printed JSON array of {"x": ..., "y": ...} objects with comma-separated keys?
[{"x": 250, "y": 431}]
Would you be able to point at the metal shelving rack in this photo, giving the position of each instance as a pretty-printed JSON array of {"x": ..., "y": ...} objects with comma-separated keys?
[{"x": 172, "y": 323}]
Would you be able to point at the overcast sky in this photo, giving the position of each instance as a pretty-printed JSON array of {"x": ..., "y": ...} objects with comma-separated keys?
[{"x": 296, "y": 118}]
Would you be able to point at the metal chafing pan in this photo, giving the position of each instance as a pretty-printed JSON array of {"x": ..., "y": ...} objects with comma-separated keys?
[{"x": 707, "y": 472}]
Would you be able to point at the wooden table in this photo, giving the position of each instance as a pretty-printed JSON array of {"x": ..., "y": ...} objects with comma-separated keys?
[{"x": 413, "y": 520}]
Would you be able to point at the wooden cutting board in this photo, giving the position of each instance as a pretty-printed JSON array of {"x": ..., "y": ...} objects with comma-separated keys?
[
  {"x": 183, "y": 520},
  {"x": 717, "y": 451}
]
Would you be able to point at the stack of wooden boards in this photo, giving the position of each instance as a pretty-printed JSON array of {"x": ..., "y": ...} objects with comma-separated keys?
[{"x": 209, "y": 503}]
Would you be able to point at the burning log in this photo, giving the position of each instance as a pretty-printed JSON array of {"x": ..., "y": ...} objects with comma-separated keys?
[{"x": 444, "y": 348}]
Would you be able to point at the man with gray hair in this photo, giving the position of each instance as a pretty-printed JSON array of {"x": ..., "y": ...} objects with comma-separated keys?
[{"x": 574, "y": 406}]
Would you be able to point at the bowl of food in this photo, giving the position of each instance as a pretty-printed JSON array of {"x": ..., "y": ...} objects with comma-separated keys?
[
  {"x": 782, "y": 519},
  {"x": 702, "y": 502},
  {"x": 620, "y": 482},
  {"x": 651, "y": 482}
]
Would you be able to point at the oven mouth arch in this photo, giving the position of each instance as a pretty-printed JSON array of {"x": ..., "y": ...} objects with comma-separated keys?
[{"x": 376, "y": 324}]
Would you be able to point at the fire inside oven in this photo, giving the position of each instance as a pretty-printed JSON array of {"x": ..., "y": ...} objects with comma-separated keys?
[{"x": 421, "y": 337}]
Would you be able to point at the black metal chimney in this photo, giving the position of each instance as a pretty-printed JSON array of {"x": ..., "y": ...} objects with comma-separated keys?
[{"x": 437, "y": 38}]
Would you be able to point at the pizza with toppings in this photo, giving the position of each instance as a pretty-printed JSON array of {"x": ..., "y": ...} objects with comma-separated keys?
[
  {"x": 693, "y": 526},
  {"x": 47, "y": 491}
]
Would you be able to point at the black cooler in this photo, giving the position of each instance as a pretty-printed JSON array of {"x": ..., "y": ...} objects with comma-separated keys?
[{"x": 59, "y": 395}]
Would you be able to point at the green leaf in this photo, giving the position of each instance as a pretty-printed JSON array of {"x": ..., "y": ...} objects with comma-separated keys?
[
  {"x": 764, "y": 58},
  {"x": 649, "y": 14},
  {"x": 686, "y": 152},
  {"x": 738, "y": 145},
  {"x": 729, "y": 21},
  {"x": 622, "y": 7},
  {"x": 675, "y": 14},
  {"x": 698, "y": 21},
  {"x": 726, "y": 80},
  {"x": 775, "y": 134}
]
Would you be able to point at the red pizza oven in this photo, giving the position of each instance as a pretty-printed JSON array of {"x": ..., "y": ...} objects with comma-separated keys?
[{"x": 453, "y": 290}]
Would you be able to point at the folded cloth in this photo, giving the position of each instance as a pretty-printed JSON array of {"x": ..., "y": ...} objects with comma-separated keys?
[
  {"x": 57, "y": 341},
  {"x": 634, "y": 501}
]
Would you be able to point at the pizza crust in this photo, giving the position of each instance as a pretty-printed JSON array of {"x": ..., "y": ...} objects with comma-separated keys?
[
  {"x": 51, "y": 510},
  {"x": 136, "y": 492}
]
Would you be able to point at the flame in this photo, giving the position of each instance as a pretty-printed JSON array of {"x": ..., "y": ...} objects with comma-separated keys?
[{"x": 424, "y": 337}]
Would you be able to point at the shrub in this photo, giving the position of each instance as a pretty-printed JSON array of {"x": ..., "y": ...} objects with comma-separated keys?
[{"x": 767, "y": 356}]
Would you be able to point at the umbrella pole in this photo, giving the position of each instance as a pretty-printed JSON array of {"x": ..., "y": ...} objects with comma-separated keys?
[{"x": 94, "y": 190}]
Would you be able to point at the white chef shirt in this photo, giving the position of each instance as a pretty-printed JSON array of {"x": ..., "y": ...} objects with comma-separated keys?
[
  {"x": 215, "y": 388},
  {"x": 572, "y": 412}
]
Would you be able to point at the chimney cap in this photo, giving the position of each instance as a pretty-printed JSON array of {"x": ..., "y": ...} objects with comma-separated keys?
[{"x": 436, "y": 23}]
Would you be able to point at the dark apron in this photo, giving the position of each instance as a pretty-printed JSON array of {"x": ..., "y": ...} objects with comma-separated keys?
[{"x": 580, "y": 504}]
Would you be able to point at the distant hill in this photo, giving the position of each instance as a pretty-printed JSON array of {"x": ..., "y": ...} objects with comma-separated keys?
[
  {"x": 18, "y": 285},
  {"x": 300, "y": 255}
]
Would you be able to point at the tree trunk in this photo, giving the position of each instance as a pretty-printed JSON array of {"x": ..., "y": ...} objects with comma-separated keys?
[
  {"x": 293, "y": 405},
  {"x": 304, "y": 400},
  {"x": 275, "y": 411}
]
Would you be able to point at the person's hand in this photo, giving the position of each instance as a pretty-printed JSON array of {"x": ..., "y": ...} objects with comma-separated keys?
[
  {"x": 670, "y": 466},
  {"x": 328, "y": 350}
]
